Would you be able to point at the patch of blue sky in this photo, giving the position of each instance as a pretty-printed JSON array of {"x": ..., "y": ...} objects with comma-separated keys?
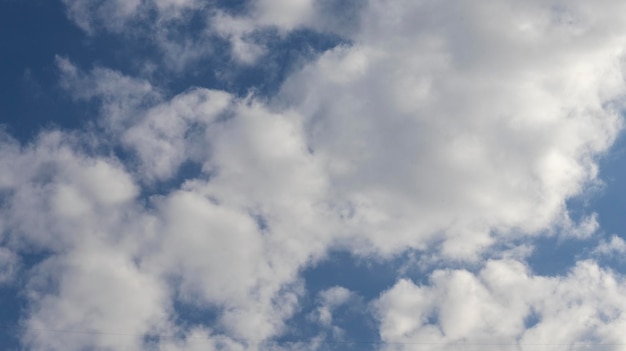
[
  {"x": 30, "y": 96},
  {"x": 553, "y": 255},
  {"x": 284, "y": 55},
  {"x": 13, "y": 304},
  {"x": 366, "y": 278},
  {"x": 610, "y": 202},
  {"x": 33, "y": 33},
  {"x": 188, "y": 170},
  {"x": 188, "y": 314},
  {"x": 556, "y": 255}
]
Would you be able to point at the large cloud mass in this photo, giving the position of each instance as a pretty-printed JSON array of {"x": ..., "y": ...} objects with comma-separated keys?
[{"x": 445, "y": 129}]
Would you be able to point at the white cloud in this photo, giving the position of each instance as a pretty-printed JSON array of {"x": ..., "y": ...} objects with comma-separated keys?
[
  {"x": 440, "y": 128},
  {"x": 89, "y": 14},
  {"x": 175, "y": 5},
  {"x": 615, "y": 246},
  {"x": 99, "y": 297},
  {"x": 123, "y": 98},
  {"x": 449, "y": 124},
  {"x": 157, "y": 20},
  {"x": 335, "y": 296},
  {"x": 112, "y": 260},
  {"x": 586, "y": 227},
  {"x": 117, "y": 15},
  {"x": 171, "y": 133},
  {"x": 233, "y": 239},
  {"x": 75, "y": 209},
  {"x": 155, "y": 23},
  {"x": 66, "y": 189},
  {"x": 504, "y": 307},
  {"x": 284, "y": 14},
  {"x": 330, "y": 299}
]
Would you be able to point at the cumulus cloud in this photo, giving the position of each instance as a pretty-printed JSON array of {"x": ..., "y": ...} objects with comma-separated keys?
[
  {"x": 232, "y": 238},
  {"x": 442, "y": 129},
  {"x": 99, "y": 297},
  {"x": 106, "y": 250},
  {"x": 505, "y": 307},
  {"x": 453, "y": 124}
]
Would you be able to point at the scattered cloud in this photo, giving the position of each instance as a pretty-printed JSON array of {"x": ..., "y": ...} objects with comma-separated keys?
[
  {"x": 613, "y": 247},
  {"x": 456, "y": 132},
  {"x": 504, "y": 307}
]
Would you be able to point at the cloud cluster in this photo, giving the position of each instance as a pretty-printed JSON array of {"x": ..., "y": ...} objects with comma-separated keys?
[
  {"x": 445, "y": 129},
  {"x": 505, "y": 307},
  {"x": 454, "y": 122},
  {"x": 185, "y": 31},
  {"x": 231, "y": 238},
  {"x": 109, "y": 258}
]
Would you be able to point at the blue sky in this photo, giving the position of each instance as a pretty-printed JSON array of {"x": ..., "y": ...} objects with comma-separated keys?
[{"x": 312, "y": 175}]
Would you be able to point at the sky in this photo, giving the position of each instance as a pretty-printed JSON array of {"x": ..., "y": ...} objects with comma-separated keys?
[{"x": 306, "y": 175}]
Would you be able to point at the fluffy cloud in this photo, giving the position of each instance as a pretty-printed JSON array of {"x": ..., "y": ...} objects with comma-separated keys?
[
  {"x": 106, "y": 258},
  {"x": 505, "y": 307},
  {"x": 70, "y": 209},
  {"x": 231, "y": 238},
  {"x": 97, "y": 297},
  {"x": 458, "y": 124},
  {"x": 439, "y": 128}
]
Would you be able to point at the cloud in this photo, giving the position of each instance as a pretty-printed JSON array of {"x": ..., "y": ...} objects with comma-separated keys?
[
  {"x": 444, "y": 130},
  {"x": 186, "y": 31},
  {"x": 110, "y": 258},
  {"x": 229, "y": 238},
  {"x": 331, "y": 299},
  {"x": 504, "y": 307},
  {"x": 170, "y": 134},
  {"x": 613, "y": 247},
  {"x": 95, "y": 15},
  {"x": 99, "y": 297},
  {"x": 282, "y": 17},
  {"x": 162, "y": 27},
  {"x": 9, "y": 264},
  {"x": 65, "y": 188},
  {"x": 455, "y": 124}
]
